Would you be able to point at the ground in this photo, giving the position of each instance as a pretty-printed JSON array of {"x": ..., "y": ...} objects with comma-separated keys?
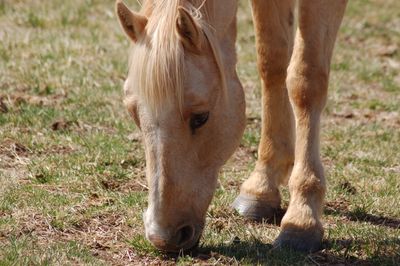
[{"x": 72, "y": 187}]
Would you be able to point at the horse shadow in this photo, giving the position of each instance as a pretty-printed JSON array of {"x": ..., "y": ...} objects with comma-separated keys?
[
  {"x": 359, "y": 215},
  {"x": 334, "y": 251}
]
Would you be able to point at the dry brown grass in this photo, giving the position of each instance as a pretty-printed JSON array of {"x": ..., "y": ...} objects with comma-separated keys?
[{"x": 72, "y": 186}]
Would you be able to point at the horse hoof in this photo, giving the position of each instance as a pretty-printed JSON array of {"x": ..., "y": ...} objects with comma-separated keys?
[
  {"x": 255, "y": 210},
  {"x": 308, "y": 241}
]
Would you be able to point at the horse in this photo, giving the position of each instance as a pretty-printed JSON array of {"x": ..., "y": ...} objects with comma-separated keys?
[{"x": 184, "y": 94}]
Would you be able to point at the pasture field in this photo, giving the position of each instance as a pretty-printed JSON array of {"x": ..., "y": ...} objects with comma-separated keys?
[{"x": 72, "y": 185}]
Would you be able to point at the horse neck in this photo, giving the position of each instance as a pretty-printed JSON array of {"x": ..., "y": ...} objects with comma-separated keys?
[{"x": 222, "y": 19}]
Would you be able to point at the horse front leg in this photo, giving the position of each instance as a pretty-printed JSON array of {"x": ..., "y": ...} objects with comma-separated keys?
[
  {"x": 259, "y": 196},
  {"x": 307, "y": 82}
]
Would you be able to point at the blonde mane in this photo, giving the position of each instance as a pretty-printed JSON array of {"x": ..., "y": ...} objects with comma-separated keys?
[{"x": 157, "y": 61}]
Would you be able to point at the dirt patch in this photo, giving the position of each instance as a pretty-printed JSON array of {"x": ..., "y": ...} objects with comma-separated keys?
[
  {"x": 367, "y": 116},
  {"x": 59, "y": 149},
  {"x": 14, "y": 157},
  {"x": 105, "y": 235},
  {"x": 16, "y": 99},
  {"x": 135, "y": 182},
  {"x": 385, "y": 50},
  {"x": 238, "y": 164},
  {"x": 12, "y": 149},
  {"x": 348, "y": 187},
  {"x": 103, "y": 231},
  {"x": 339, "y": 205},
  {"x": 132, "y": 184},
  {"x": 62, "y": 125},
  {"x": 3, "y": 106}
]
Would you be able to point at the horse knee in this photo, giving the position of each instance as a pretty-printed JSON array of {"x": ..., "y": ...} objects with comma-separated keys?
[
  {"x": 308, "y": 89},
  {"x": 272, "y": 64}
]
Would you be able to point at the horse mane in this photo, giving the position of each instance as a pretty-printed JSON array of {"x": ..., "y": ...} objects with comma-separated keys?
[{"x": 158, "y": 72}]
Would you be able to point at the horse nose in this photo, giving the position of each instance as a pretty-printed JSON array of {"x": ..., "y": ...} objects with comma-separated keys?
[
  {"x": 182, "y": 239},
  {"x": 184, "y": 235}
]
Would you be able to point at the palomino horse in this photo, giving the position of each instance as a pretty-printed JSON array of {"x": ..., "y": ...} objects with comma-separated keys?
[{"x": 185, "y": 96}]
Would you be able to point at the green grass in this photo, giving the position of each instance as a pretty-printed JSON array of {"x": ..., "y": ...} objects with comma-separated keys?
[
  {"x": 26, "y": 251},
  {"x": 72, "y": 185}
]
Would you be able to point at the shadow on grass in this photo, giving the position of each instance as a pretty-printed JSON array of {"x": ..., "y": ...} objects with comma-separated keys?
[
  {"x": 335, "y": 251},
  {"x": 354, "y": 216},
  {"x": 359, "y": 215},
  {"x": 380, "y": 220}
]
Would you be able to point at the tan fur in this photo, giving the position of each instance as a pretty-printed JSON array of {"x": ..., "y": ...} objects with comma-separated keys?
[
  {"x": 308, "y": 85},
  {"x": 184, "y": 63},
  {"x": 132, "y": 23},
  {"x": 274, "y": 30}
]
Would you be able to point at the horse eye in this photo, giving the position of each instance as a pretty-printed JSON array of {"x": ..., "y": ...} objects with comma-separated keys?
[{"x": 198, "y": 120}]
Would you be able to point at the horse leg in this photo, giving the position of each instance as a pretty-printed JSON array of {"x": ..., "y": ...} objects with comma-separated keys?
[
  {"x": 259, "y": 196},
  {"x": 307, "y": 82}
]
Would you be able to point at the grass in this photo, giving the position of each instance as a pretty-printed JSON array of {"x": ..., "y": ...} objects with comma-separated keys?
[{"x": 72, "y": 186}]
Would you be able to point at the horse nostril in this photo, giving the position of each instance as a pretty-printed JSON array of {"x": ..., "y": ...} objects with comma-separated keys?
[
  {"x": 182, "y": 239},
  {"x": 184, "y": 235}
]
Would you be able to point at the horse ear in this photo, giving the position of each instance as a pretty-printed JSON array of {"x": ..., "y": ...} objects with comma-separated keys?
[
  {"x": 132, "y": 23},
  {"x": 188, "y": 30}
]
